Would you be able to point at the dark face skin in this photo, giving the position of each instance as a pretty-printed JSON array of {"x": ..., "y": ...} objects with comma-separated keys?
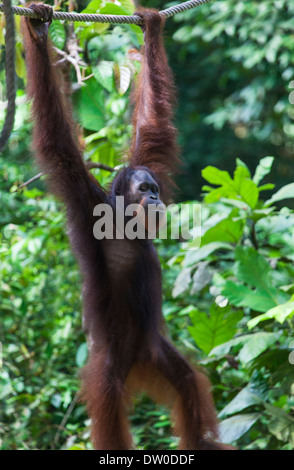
[{"x": 143, "y": 189}]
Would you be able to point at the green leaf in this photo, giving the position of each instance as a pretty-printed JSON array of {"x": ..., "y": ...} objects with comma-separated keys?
[
  {"x": 249, "y": 192},
  {"x": 245, "y": 398},
  {"x": 231, "y": 429},
  {"x": 256, "y": 344},
  {"x": 56, "y": 400},
  {"x": 216, "y": 194},
  {"x": 281, "y": 424},
  {"x": 138, "y": 33},
  {"x": 245, "y": 187},
  {"x": 182, "y": 282},
  {"x": 57, "y": 34},
  {"x": 112, "y": 9},
  {"x": 242, "y": 296},
  {"x": 246, "y": 258},
  {"x": 261, "y": 295},
  {"x": 128, "y": 6},
  {"x": 218, "y": 327},
  {"x": 240, "y": 174},
  {"x": 264, "y": 167},
  {"x": 218, "y": 177},
  {"x": 194, "y": 256},
  {"x": 235, "y": 203},
  {"x": 89, "y": 104},
  {"x": 261, "y": 277},
  {"x": 104, "y": 153},
  {"x": 279, "y": 313},
  {"x": 201, "y": 277},
  {"x": 122, "y": 76},
  {"x": 257, "y": 341},
  {"x": 103, "y": 72},
  {"x": 90, "y": 31},
  {"x": 34, "y": 245},
  {"x": 259, "y": 214},
  {"x": 287, "y": 192},
  {"x": 93, "y": 7},
  {"x": 82, "y": 354},
  {"x": 241, "y": 186},
  {"x": 240, "y": 163},
  {"x": 227, "y": 230},
  {"x": 266, "y": 187},
  {"x": 81, "y": 446},
  {"x": 20, "y": 66}
]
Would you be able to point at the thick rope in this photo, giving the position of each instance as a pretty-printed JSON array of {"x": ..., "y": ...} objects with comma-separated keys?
[
  {"x": 9, "y": 11},
  {"x": 10, "y": 74},
  {"x": 131, "y": 19}
]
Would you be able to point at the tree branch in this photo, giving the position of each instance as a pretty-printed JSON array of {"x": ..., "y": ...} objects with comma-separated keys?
[{"x": 89, "y": 165}]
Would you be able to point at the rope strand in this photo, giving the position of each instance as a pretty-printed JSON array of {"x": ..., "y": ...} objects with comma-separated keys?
[
  {"x": 96, "y": 18},
  {"x": 10, "y": 74}
]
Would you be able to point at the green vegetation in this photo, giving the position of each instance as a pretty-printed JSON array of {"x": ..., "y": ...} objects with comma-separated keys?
[{"x": 229, "y": 304}]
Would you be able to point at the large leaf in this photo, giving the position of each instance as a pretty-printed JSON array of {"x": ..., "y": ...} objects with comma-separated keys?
[
  {"x": 256, "y": 344},
  {"x": 104, "y": 153},
  {"x": 242, "y": 296},
  {"x": 57, "y": 34},
  {"x": 81, "y": 355},
  {"x": 281, "y": 424},
  {"x": 249, "y": 192},
  {"x": 227, "y": 230},
  {"x": 247, "y": 397},
  {"x": 245, "y": 187},
  {"x": 113, "y": 9},
  {"x": 201, "y": 277},
  {"x": 215, "y": 195},
  {"x": 252, "y": 345},
  {"x": 93, "y": 6},
  {"x": 279, "y": 313},
  {"x": 240, "y": 174},
  {"x": 194, "y": 256},
  {"x": 122, "y": 76},
  {"x": 89, "y": 104},
  {"x": 241, "y": 187},
  {"x": 224, "y": 349},
  {"x": 182, "y": 282},
  {"x": 263, "y": 169},
  {"x": 252, "y": 269},
  {"x": 287, "y": 192},
  {"x": 103, "y": 72},
  {"x": 128, "y": 6},
  {"x": 231, "y": 429},
  {"x": 218, "y": 177},
  {"x": 216, "y": 328}
]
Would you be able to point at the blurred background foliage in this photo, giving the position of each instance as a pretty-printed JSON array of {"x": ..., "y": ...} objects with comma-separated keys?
[{"x": 229, "y": 304}]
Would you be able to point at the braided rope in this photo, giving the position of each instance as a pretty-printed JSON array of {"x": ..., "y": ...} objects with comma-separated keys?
[
  {"x": 131, "y": 19},
  {"x": 10, "y": 74}
]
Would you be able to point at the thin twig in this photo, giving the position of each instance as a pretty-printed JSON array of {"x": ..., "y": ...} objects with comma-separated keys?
[
  {"x": 89, "y": 165},
  {"x": 65, "y": 418},
  {"x": 34, "y": 178}
]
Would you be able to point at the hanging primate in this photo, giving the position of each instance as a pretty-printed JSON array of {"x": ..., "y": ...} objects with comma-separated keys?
[{"x": 122, "y": 277}]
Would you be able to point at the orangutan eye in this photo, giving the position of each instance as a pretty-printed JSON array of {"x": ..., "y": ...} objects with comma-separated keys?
[{"x": 143, "y": 187}]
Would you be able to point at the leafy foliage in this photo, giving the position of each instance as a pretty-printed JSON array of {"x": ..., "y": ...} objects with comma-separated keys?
[{"x": 250, "y": 266}]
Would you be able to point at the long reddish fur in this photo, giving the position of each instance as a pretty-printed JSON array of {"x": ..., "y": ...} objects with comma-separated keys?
[{"x": 154, "y": 135}]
